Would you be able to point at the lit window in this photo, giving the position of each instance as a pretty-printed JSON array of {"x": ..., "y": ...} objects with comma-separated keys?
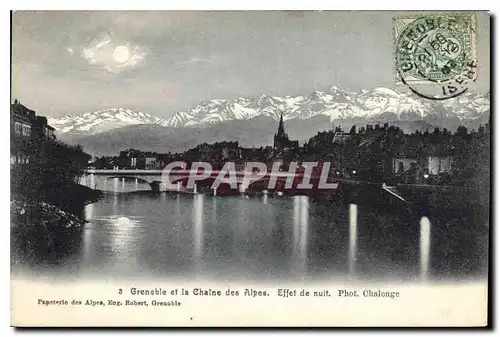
[{"x": 18, "y": 128}]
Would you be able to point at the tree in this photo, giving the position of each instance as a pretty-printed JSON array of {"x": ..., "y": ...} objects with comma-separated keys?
[{"x": 461, "y": 132}]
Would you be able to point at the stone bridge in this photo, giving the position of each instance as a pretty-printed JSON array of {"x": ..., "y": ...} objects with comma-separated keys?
[{"x": 160, "y": 179}]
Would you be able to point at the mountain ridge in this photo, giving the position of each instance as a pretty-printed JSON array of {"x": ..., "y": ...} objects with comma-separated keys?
[
  {"x": 253, "y": 133},
  {"x": 100, "y": 121},
  {"x": 336, "y": 104},
  {"x": 252, "y": 121}
]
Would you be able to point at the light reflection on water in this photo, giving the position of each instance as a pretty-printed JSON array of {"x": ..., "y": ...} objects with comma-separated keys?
[
  {"x": 165, "y": 235},
  {"x": 300, "y": 227},
  {"x": 353, "y": 220},
  {"x": 425, "y": 238},
  {"x": 198, "y": 230}
]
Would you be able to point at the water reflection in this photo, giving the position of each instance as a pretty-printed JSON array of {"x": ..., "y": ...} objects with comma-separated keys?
[
  {"x": 124, "y": 228},
  {"x": 130, "y": 234},
  {"x": 87, "y": 239},
  {"x": 89, "y": 212},
  {"x": 425, "y": 239},
  {"x": 198, "y": 230},
  {"x": 353, "y": 234},
  {"x": 87, "y": 250},
  {"x": 300, "y": 228},
  {"x": 88, "y": 180},
  {"x": 214, "y": 210},
  {"x": 114, "y": 201}
]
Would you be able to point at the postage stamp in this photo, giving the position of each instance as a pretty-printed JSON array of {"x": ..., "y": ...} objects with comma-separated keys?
[{"x": 435, "y": 54}]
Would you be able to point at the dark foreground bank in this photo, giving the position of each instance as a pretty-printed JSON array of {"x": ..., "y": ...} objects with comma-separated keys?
[{"x": 61, "y": 210}]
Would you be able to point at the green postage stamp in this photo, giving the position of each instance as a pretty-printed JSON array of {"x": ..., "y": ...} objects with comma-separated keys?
[{"x": 435, "y": 54}]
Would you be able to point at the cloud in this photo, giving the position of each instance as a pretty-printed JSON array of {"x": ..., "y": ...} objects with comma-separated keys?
[
  {"x": 197, "y": 60},
  {"x": 101, "y": 52}
]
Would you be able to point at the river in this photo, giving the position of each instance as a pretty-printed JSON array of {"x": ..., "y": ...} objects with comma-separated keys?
[{"x": 140, "y": 235}]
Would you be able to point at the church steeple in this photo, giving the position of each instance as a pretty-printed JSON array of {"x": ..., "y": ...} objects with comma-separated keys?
[
  {"x": 281, "y": 141},
  {"x": 281, "y": 127}
]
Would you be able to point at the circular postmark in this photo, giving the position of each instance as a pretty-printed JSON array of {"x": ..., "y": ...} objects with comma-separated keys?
[{"x": 434, "y": 56}]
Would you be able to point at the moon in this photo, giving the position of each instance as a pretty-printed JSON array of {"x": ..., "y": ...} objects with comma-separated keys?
[{"x": 121, "y": 54}]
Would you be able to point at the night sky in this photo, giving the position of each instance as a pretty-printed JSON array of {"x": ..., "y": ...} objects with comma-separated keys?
[{"x": 165, "y": 61}]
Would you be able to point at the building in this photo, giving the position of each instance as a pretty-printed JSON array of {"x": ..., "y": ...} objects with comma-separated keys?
[
  {"x": 341, "y": 137},
  {"x": 402, "y": 164},
  {"x": 150, "y": 163},
  {"x": 432, "y": 165},
  {"x": 25, "y": 123},
  {"x": 26, "y": 129},
  {"x": 423, "y": 170},
  {"x": 282, "y": 143},
  {"x": 42, "y": 129},
  {"x": 21, "y": 120},
  {"x": 437, "y": 165}
]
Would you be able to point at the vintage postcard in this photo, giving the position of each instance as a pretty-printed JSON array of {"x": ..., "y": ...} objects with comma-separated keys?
[{"x": 250, "y": 168}]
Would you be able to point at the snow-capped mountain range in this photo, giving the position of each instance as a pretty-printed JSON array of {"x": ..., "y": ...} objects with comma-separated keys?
[
  {"x": 100, "y": 121},
  {"x": 338, "y": 106}
]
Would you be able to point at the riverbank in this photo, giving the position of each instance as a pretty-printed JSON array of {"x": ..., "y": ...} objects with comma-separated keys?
[
  {"x": 29, "y": 213},
  {"x": 423, "y": 199},
  {"x": 71, "y": 198},
  {"x": 60, "y": 210}
]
